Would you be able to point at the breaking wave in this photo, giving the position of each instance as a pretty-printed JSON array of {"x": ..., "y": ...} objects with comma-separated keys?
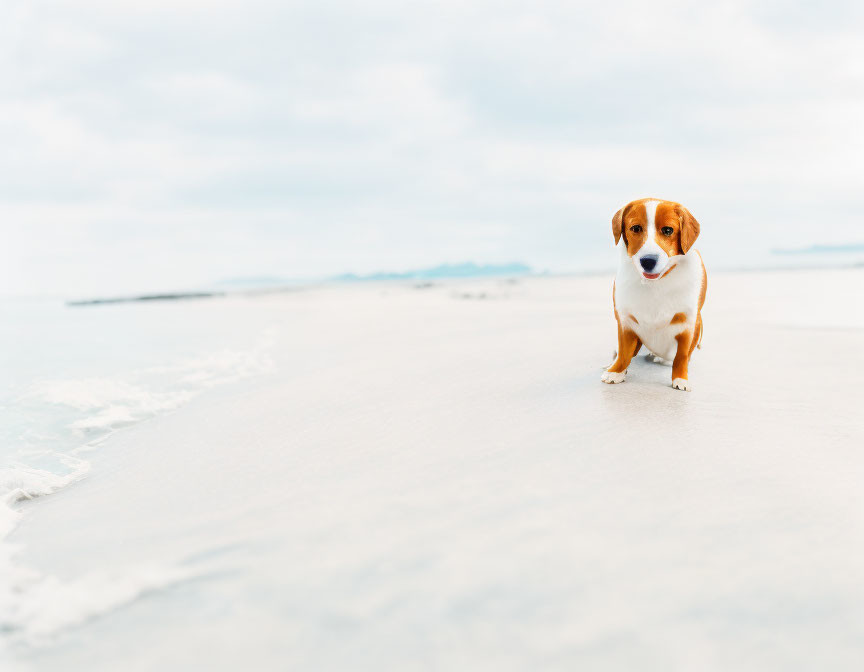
[{"x": 73, "y": 416}]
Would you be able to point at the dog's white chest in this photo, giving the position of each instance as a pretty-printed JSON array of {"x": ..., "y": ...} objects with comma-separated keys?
[{"x": 653, "y": 309}]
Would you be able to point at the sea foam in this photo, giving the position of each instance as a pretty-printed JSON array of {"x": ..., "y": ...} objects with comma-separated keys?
[{"x": 33, "y": 606}]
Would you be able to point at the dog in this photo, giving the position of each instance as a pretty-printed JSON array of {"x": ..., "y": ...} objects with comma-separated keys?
[{"x": 660, "y": 287}]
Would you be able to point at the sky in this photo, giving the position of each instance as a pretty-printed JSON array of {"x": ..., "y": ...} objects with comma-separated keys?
[{"x": 172, "y": 144}]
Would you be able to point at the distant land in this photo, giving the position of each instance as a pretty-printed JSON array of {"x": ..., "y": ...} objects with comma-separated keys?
[
  {"x": 444, "y": 271},
  {"x": 274, "y": 283},
  {"x": 822, "y": 249},
  {"x": 467, "y": 269},
  {"x": 179, "y": 296}
]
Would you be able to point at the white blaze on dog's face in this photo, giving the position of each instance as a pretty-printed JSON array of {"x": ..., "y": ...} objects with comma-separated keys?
[{"x": 655, "y": 233}]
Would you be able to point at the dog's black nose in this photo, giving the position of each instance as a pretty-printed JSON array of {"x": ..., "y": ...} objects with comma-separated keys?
[{"x": 649, "y": 261}]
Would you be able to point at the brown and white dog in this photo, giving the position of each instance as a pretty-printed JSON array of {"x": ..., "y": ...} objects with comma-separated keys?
[{"x": 660, "y": 286}]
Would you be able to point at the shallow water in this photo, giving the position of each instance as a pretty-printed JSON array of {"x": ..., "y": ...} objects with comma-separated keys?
[
  {"x": 382, "y": 477},
  {"x": 75, "y": 376}
]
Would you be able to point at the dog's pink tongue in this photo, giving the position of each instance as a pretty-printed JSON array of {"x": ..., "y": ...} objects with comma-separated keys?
[{"x": 651, "y": 276}]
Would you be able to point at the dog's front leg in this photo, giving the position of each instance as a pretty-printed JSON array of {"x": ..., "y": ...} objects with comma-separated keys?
[
  {"x": 682, "y": 360},
  {"x": 628, "y": 346}
]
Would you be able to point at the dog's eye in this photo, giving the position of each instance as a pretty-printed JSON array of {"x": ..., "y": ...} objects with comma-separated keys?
[
  {"x": 667, "y": 230},
  {"x": 636, "y": 228}
]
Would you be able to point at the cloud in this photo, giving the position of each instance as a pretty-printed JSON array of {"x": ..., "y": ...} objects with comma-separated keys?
[{"x": 310, "y": 138}]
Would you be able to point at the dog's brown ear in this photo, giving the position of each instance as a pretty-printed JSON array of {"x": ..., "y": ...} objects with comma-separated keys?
[
  {"x": 689, "y": 229},
  {"x": 617, "y": 223}
]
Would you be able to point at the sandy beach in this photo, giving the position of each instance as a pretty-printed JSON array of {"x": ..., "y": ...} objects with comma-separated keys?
[{"x": 434, "y": 478}]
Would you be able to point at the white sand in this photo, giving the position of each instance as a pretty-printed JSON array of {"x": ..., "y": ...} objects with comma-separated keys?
[{"x": 430, "y": 480}]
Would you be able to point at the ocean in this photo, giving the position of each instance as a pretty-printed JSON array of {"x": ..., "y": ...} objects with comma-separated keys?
[{"x": 73, "y": 376}]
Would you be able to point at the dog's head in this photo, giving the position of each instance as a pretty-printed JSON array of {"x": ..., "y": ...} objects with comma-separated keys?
[{"x": 654, "y": 233}]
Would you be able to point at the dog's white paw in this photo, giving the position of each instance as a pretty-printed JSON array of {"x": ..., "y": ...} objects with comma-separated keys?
[
  {"x": 611, "y": 377},
  {"x": 660, "y": 360},
  {"x": 681, "y": 384}
]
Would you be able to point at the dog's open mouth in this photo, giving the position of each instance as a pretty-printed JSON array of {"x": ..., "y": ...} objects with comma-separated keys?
[{"x": 663, "y": 271}]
